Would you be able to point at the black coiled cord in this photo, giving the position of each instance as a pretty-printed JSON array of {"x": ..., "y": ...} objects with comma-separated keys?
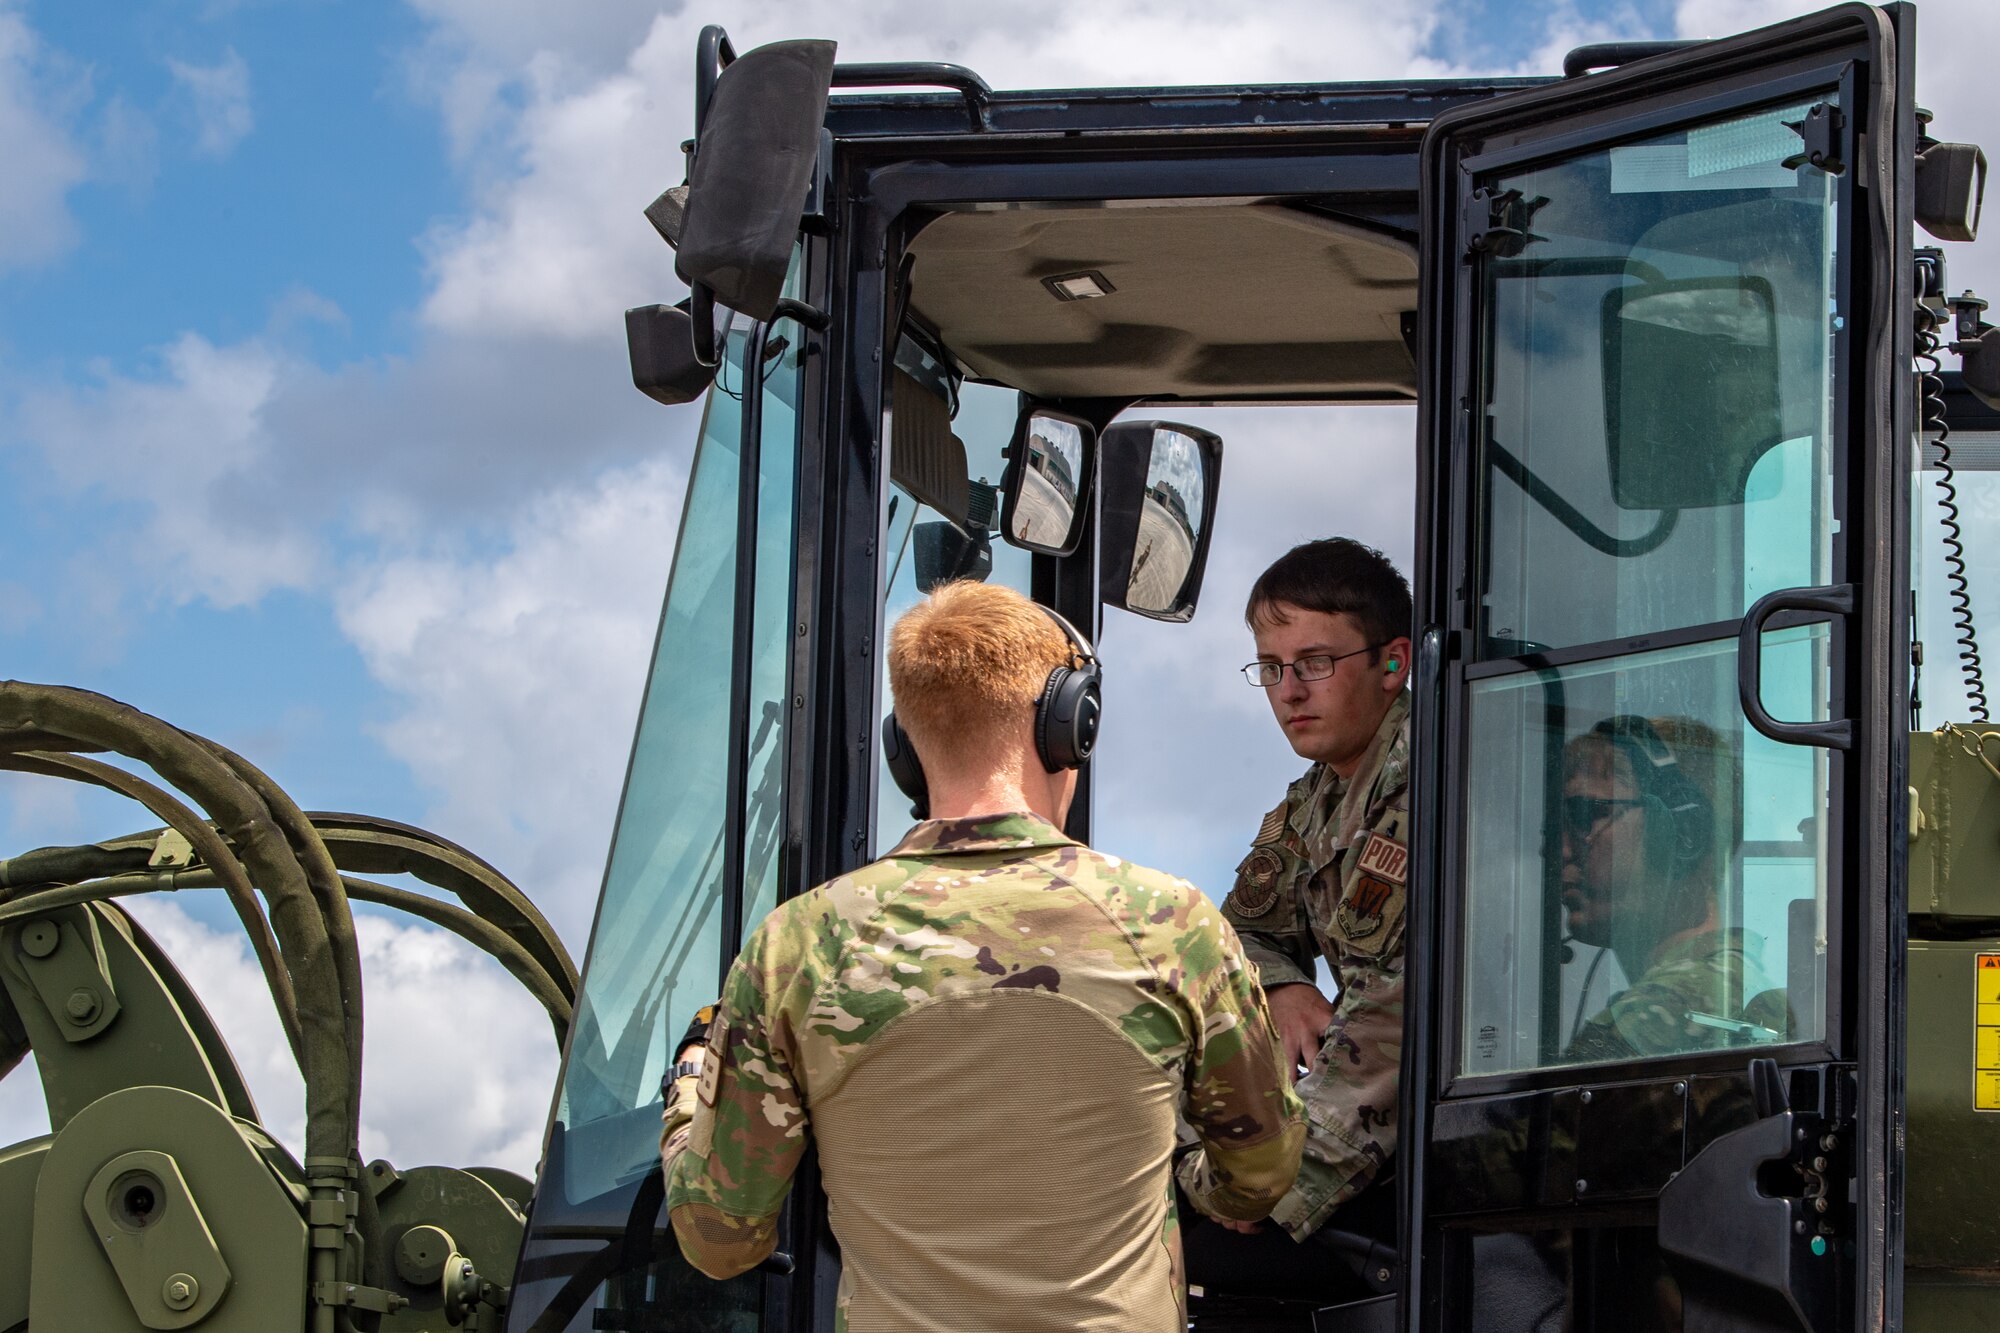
[{"x": 1960, "y": 590}]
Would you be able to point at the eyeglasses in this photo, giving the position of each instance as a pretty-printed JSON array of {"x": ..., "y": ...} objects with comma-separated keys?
[
  {"x": 1583, "y": 814},
  {"x": 1318, "y": 666}
]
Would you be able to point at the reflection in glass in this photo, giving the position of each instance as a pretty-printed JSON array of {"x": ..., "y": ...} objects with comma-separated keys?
[
  {"x": 1169, "y": 523},
  {"x": 985, "y": 421},
  {"x": 1658, "y": 355},
  {"x": 1645, "y": 876},
  {"x": 1046, "y": 509},
  {"x": 656, "y": 949}
]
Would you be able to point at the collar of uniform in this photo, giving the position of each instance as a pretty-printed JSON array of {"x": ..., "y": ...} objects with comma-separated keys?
[
  {"x": 1325, "y": 791},
  {"x": 1012, "y": 831}
]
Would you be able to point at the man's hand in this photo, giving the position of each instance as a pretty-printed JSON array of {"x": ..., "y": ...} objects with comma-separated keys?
[
  {"x": 1240, "y": 1228},
  {"x": 1301, "y": 1014}
]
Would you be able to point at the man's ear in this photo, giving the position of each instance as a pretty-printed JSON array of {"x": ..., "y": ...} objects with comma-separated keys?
[{"x": 1395, "y": 664}]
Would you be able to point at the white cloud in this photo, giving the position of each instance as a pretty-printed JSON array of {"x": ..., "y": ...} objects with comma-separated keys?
[
  {"x": 43, "y": 162},
  {"x": 521, "y": 674},
  {"x": 219, "y": 98},
  {"x": 458, "y": 1059},
  {"x": 170, "y": 447}
]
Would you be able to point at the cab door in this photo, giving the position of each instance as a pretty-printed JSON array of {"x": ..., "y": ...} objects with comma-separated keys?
[{"x": 1664, "y": 436}]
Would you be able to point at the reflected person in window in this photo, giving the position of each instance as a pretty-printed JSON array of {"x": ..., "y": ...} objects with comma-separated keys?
[
  {"x": 1650, "y": 827},
  {"x": 1324, "y": 881},
  {"x": 988, "y": 1034}
]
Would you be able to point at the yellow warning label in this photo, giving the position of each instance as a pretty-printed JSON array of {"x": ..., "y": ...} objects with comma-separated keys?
[{"x": 1986, "y": 1032}]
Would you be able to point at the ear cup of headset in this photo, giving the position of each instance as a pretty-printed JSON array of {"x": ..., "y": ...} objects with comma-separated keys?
[
  {"x": 905, "y": 768},
  {"x": 1679, "y": 819},
  {"x": 1066, "y": 716}
]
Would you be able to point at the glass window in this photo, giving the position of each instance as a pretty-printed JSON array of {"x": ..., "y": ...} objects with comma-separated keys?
[
  {"x": 1645, "y": 875},
  {"x": 1659, "y": 342},
  {"x": 656, "y": 949},
  {"x": 915, "y": 535}
]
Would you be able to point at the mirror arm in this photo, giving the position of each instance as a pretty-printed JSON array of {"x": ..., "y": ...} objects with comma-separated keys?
[
  {"x": 713, "y": 53},
  {"x": 808, "y": 316},
  {"x": 1573, "y": 518}
]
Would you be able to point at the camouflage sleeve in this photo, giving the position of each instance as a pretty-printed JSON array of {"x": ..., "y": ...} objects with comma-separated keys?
[
  {"x": 1350, "y": 1095},
  {"x": 1267, "y": 910},
  {"x": 730, "y": 1156},
  {"x": 1240, "y": 1101}
]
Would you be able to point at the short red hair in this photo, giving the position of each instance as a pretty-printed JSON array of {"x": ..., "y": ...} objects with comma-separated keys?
[{"x": 966, "y": 661}]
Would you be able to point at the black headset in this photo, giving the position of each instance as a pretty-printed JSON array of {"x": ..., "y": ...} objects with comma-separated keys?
[
  {"x": 1680, "y": 821},
  {"x": 1066, "y": 717}
]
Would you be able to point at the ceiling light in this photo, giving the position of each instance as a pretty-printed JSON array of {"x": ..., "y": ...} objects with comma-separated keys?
[{"x": 1078, "y": 286}]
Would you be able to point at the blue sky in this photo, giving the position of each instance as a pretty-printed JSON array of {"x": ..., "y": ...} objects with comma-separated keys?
[{"x": 315, "y": 429}]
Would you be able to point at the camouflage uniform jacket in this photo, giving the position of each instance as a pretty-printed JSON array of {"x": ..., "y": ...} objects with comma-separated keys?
[
  {"x": 962, "y": 914},
  {"x": 1327, "y": 878},
  {"x": 1702, "y": 993}
]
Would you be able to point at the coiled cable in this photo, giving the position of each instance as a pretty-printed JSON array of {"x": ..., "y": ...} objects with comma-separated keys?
[{"x": 1959, "y": 588}]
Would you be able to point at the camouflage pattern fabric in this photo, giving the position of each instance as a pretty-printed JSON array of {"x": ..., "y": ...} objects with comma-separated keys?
[
  {"x": 972, "y": 905},
  {"x": 1327, "y": 877},
  {"x": 1701, "y": 993}
]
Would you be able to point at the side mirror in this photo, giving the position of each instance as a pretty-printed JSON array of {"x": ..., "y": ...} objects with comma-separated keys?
[
  {"x": 1156, "y": 515},
  {"x": 660, "y": 341},
  {"x": 1046, "y": 490},
  {"x": 1691, "y": 380},
  {"x": 1951, "y": 185},
  {"x": 752, "y": 168}
]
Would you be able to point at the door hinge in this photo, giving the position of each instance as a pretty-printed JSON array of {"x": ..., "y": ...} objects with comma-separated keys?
[
  {"x": 1819, "y": 131},
  {"x": 1495, "y": 222}
]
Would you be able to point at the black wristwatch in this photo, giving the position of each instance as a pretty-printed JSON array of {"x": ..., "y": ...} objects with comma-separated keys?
[{"x": 686, "y": 1069}]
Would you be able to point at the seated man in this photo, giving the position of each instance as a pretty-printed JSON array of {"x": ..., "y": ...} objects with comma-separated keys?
[
  {"x": 1325, "y": 882},
  {"x": 987, "y": 1033}
]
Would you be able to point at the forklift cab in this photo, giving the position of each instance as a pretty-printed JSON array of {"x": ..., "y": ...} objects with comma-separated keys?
[{"x": 1657, "y": 320}]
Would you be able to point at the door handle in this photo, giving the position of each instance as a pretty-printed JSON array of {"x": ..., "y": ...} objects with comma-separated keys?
[{"x": 1834, "y": 734}]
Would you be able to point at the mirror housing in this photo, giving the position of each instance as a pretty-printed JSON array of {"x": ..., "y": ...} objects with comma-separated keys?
[
  {"x": 1979, "y": 364},
  {"x": 1951, "y": 185},
  {"x": 753, "y": 161},
  {"x": 1045, "y": 493},
  {"x": 1667, "y": 447},
  {"x": 660, "y": 341},
  {"x": 1156, "y": 515}
]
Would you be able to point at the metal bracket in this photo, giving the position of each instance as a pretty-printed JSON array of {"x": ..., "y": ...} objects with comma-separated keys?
[
  {"x": 1820, "y": 133},
  {"x": 63, "y": 958},
  {"x": 355, "y": 1295},
  {"x": 146, "y": 1219},
  {"x": 1496, "y": 222}
]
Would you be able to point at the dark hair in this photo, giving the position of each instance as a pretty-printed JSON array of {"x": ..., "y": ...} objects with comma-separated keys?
[{"x": 1338, "y": 576}]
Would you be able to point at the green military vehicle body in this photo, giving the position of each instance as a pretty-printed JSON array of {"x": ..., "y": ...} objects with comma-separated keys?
[{"x": 1663, "y": 322}]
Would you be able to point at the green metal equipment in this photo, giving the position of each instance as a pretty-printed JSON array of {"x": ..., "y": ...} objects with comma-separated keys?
[{"x": 158, "y": 1200}]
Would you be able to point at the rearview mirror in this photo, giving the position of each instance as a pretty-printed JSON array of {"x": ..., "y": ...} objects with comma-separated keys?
[
  {"x": 1046, "y": 490},
  {"x": 752, "y": 167},
  {"x": 1156, "y": 515},
  {"x": 1691, "y": 379}
]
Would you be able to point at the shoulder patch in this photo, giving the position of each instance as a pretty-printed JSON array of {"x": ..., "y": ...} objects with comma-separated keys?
[
  {"x": 1273, "y": 825},
  {"x": 1385, "y": 858},
  {"x": 1256, "y": 890}
]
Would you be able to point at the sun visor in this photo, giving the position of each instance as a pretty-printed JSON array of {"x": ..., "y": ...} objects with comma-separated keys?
[{"x": 925, "y": 458}]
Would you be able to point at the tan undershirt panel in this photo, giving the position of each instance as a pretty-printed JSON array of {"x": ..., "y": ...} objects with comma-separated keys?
[{"x": 1000, "y": 1160}]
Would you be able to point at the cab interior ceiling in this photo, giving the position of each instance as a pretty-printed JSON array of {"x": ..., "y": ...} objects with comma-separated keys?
[{"x": 1209, "y": 301}]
